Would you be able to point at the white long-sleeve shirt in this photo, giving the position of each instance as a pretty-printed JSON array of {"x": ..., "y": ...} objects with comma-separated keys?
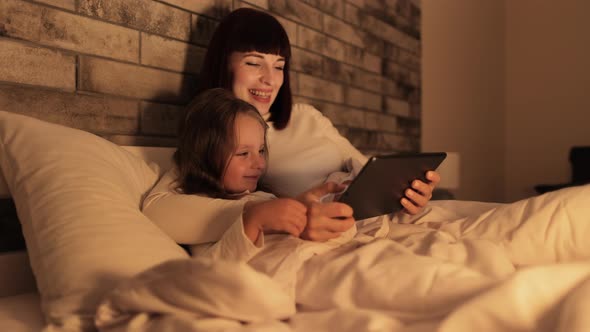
[{"x": 300, "y": 156}]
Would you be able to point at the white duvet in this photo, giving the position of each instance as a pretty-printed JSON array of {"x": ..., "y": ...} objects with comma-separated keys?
[{"x": 458, "y": 266}]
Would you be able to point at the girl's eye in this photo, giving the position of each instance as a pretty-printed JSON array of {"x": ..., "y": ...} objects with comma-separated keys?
[
  {"x": 262, "y": 151},
  {"x": 242, "y": 154}
]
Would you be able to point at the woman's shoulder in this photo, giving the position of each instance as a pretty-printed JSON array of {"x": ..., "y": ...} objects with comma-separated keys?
[{"x": 305, "y": 112}]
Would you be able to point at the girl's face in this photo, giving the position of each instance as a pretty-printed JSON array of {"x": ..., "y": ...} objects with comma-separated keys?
[
  {"x": 257, "y": 78},
  {"x": 247, "y": 162}
]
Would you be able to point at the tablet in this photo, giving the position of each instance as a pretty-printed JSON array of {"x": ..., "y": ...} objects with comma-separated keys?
[{"x": 381, "y": 183}]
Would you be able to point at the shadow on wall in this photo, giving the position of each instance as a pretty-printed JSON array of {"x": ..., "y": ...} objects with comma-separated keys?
[{"x": 163, "y": 118}]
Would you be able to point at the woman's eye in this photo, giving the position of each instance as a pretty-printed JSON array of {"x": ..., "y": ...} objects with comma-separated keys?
[
  {"x": 281, "y": 68},
  {"x": 252, "y": 64}
]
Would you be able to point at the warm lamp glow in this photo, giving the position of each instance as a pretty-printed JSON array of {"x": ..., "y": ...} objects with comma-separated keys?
[{"x": 449, "y": 171}]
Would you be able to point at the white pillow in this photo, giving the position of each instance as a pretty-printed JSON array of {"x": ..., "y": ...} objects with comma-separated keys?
[{"x": 78, "y": 196}]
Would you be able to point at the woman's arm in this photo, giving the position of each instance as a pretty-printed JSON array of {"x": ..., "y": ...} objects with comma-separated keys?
[
  {"x": 417, "y": 196},
  {"x": 190, "y": 219}
]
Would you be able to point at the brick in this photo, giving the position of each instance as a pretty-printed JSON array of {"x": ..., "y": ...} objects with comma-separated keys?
[
  {"x": 363, "y": 99},
  {"x": 130, "y": 140},
  {"x": 145, "y": 15},
  {"x": 394, "y": 142},
  {"x": 409, "y": 60},
  {"x": 171, "y": 54},
  {"x": 294, "y": 78},
  {"x": 343, "y": 31},
  {"x": 397, "y": 72},
  {"x": 306, "y": 62},
  {"x": 340, "y": 72},
  {"x": 339, "y": 115},
  {"x": 346, "y": 116},
  {"x": 360, "y": 138},
  {"x": 416, "y": 110},
  {"x": 372, "y": 43},
  {"x": 334, "y": 7},
  {"x": 36, "y": 66},
  {"x": 202, "y": 29},
  {"x": 110, "y": 77},
  {"x": 386, "y": 122},
  {"x": 389, "y": 33},
  {"x": 291, "y": 29},
  {"x": 90, "y": 113},
  {"x": 159, "y": 119},
  {"x": 357, "y": 3},
  {"x": 359, "y": 57},
  {"x": 371, "y": 120},
  {"x": 334, "y": 49},
  {"x": 351, "y": 75},
  {"x": 352, "y": 14},
  {"x": 397, "y": 107},
  {"x": 318, "y": 42},
  {"x": 257, "y": 3},
  {"x": 310, "y": 39},
  {"x": 392, "y": 88},
  {"x": 314, "y": 87},
  {"x": 65, "y": 4},
  {"x": 211, "y": 8},
  {"x": 408, "y": 126},
  {"x": 53, "y": 27},
  {"x": 297, "y": 11},
  {"x": 369, "y": 81}
]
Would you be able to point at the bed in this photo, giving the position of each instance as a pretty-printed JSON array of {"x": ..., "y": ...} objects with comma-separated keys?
[{"x": 94, "y": 261}]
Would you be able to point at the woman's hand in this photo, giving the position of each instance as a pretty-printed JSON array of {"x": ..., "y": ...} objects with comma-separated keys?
[
  {"x": 420, "y": 193},
  {"x": 281, "y": 215},
  {"x": 325, "y": 220}
]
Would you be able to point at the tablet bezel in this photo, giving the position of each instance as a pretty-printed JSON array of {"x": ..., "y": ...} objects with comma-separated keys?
[{"x": 381, "y": 183}]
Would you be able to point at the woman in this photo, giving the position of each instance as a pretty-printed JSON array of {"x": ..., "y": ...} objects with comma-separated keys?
[{"x": 249, "y": 54}]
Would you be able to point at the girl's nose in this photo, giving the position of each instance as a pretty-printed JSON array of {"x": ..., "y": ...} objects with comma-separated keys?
[{"x": 259, "y": 162}]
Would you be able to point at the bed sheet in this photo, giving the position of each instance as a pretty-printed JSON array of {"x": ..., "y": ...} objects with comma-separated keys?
[{"x": 458, "y": 266}]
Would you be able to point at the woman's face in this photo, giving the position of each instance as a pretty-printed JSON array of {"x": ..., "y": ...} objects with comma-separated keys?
[{"x": 257, "y": 78}]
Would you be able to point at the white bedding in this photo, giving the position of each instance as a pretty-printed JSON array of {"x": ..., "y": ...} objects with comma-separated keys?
[{"x": 459, "y": 266}]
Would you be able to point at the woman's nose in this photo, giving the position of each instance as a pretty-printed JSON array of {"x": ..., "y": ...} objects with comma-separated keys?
[{"x": 267, "y": 75}]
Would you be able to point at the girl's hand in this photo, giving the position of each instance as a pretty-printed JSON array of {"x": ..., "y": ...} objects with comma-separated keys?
[
  {"x": 281, "y": 215},
  {"x": 420, "y": 193},
  {"x": 325, "y": 220}
]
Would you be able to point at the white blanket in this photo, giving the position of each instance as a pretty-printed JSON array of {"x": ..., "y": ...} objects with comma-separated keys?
[{"x": 458, "y": 266}]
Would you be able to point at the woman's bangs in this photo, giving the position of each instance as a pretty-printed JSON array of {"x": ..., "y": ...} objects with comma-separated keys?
[{"x": 259, "y": 38}]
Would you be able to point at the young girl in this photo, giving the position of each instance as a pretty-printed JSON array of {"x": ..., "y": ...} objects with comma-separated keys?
[{"x": 222, "y": 153}]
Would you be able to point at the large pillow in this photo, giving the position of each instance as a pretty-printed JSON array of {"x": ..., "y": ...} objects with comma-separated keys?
[{"x": 78, "y": 196}]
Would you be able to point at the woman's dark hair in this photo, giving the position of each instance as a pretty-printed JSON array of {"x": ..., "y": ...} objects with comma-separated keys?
[
  {"x": 246, "y": 30},
  {"x": 206, "y": 141}
]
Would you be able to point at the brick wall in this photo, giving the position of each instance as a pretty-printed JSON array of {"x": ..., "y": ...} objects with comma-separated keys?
[{"x": 123, "y": 68}]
